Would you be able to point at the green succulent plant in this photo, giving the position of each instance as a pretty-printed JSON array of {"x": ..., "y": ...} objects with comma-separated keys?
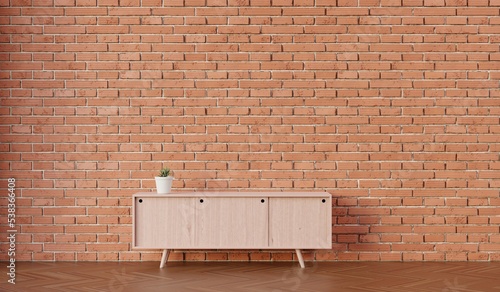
[{"x": 164, "y": 172}]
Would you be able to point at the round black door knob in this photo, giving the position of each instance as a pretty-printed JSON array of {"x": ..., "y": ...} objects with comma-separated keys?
[
  {"x": 201, "y": 200},
  {"x": 140, "y": 200},
  {"x": 323, "y": 200},
  {"x": 262, "y": 201}
]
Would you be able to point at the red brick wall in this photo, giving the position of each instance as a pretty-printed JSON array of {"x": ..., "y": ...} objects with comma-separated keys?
[{"x": 392, "y": 106}]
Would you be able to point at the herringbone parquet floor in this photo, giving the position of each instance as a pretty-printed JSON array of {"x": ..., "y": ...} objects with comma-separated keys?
[{"x": 244, "y": 277}]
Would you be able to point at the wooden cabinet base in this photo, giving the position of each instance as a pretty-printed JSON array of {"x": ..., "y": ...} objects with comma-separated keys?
[{"x": 232, "y": 220}]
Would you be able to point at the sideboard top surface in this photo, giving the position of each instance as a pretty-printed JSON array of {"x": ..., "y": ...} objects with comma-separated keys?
[{"x": 272, "y": 194}]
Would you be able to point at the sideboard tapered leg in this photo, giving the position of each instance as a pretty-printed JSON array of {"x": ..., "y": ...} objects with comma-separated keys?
[
  {"x": 301, "y": 259},
  {"x": 164, "y": 257}
]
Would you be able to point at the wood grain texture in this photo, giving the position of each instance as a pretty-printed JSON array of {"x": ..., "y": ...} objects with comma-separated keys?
[
  {"x": 303, "y": 223},
  {"x": 231, "y": 223},
  {"x": 255, "y": 276},
  {"x": 163, "y": 222}
]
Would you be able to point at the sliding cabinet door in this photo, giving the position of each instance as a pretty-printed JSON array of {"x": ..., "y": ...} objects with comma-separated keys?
[
  {"x": 303, "y": 223},
  {"x": 231, "y": 222},
  {"x": 163, "y": 222}
]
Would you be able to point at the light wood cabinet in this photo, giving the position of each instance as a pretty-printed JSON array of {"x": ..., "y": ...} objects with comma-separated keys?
[{"x": 242, "y": 220}]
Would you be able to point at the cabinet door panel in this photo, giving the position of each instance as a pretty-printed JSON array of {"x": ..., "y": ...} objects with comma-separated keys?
[
  {"x": 164, "y": 222},
  {"x": 231, "y": 223},
  {"x": 300, "y": 223}
]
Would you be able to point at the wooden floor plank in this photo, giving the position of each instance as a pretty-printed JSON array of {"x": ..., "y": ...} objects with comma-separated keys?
[{"x": 245, "y": 277}]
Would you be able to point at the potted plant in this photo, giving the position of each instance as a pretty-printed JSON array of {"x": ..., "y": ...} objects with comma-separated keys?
[{"x": 164, "y": 181}]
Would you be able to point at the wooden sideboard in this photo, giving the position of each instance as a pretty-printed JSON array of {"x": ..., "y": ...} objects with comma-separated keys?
[{"x": 232, "y": 220}]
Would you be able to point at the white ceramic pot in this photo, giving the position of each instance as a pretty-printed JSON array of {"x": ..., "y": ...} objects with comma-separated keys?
[{"x": 163, "y": 184}]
